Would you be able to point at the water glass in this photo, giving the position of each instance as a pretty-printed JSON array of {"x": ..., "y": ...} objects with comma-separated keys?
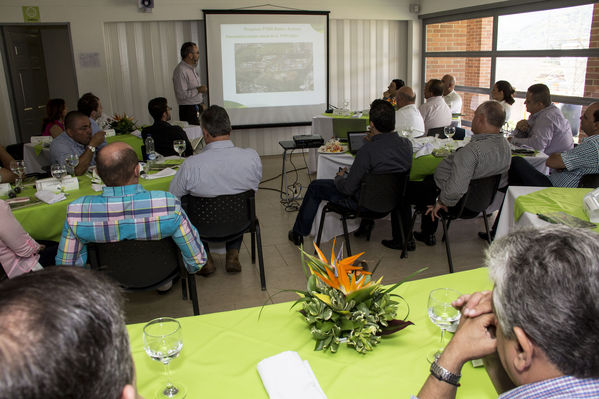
[
  {"x": 443, "y": 315},
  {"x": 179, "y": 146},
  {"x": 449, "y": 131},
  {"x": 59, "y": 171},
  {"x": 72, "y": 160},
  {"x": 18, "y": 168}
]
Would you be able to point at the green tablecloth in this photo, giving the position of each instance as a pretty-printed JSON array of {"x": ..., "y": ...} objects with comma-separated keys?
[
  {"x": 553, "y": 199},
  {"x": 221, "y": 351},
  {"x": 130, "y": 139},
  {"x": 45, "y": 221},
  {"x": 424, "y": 166}
]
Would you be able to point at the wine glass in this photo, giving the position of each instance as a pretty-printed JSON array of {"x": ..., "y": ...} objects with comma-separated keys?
[
  {"x": 443, "y": 315},
  {"x": 72, "y": 161},
  {"x": 163, "y": 341},
  {"x": 58, "y": 172},
  {"x": 18, "y": 168},
  {"x": 449, "y": 131},
  {"x": 179, "y": 146}
]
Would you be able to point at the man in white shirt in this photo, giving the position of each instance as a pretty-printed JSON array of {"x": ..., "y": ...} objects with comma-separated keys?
[
  {"x": 435, "y": 111},
  {"x": 407, "y": 117},
  {"x": 186, "y": 81},
  {"x": 452, "y": 99}
]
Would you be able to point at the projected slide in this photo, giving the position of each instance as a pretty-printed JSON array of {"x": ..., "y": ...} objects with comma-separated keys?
[{"x": 272, "y": 64}]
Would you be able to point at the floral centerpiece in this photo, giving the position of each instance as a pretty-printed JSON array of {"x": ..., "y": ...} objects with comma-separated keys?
[
  {"x": 342, "y": 304},
  {"x": 122, "y": 124}
]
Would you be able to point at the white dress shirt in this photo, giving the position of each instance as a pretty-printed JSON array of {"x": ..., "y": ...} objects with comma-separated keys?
[
  {"x": 454, "y": 102},
  {"x": 507, "y": 108},
  {"x": 435, "y": 113},
  {"x": 186, "y": 82},
  {"x": 408, "y": 118}
]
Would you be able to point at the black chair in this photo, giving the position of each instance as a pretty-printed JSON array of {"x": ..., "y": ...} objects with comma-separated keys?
[
  {"x": 225, "y": 217},
  {"x": 460, "y": 133},
  {"x": 380, "y": 194},
  {"x": 590, "y": 180},
  {"x": 480, "y": 194},
  {"x": 139, "y": 265},
  {"x": 15, "y": 151}
]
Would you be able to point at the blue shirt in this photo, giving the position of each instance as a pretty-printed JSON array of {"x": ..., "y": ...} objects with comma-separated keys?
[
  {"x": 63, "y": 146},
  {"x": 128, "y": 213},
  {"x": 581, "y": 160}
]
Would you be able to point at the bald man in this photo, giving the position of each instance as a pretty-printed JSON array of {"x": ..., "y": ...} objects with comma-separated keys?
[
  {"x": 408, "y": 118},
  {"x": 126, "y": 211}
]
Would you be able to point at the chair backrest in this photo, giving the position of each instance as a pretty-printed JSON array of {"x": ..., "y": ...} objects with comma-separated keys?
[
  {"x": 382, "y": 193},
  {"x": 460, "y": 133},
  {"x": 435, "y": 131},
  {"x": 480, "y": 194},
  {"x": 590, "y": 180},
  {"x": 222, "y": 216},
  {"x": 137, "y": 264}
]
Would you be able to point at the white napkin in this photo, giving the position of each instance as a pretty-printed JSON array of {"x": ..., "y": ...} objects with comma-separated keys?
[
  {"x": 136, "y": 133},
  {"x": 97, "y": 187},
  {"x": 426, "y": 149},
  {"x": 163, "y": 173},
  {"x": 49, "y": 197},
  {"x": 286, "y": 376}
]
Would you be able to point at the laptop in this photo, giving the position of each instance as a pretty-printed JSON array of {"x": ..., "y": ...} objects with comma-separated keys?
[{"x": 355, "y": 141}]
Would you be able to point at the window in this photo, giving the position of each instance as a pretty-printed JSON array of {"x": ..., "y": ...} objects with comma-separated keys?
[{"x": 542, "y": 42}]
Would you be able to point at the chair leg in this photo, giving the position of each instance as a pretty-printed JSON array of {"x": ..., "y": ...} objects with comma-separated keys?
[
  {"x": 184, "y": 288},
  {"x": 404, "y": 251},
  {"x": 346, "y": 235},
  {"x": 260, "y": 258},
  {"x": 487, "y": 226},
  {"x": 320, "y": 227},
  {"x": 253, "y": 235},
  {"x": 193, "y": 294},
  {"x": 447, "y": 248},
  {"x": 444, "y": 235}
]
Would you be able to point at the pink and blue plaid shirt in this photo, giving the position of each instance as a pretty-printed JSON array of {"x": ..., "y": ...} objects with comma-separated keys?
[
  {"x": 556, "y": 388},
  {"x": 128, "y": 213}
]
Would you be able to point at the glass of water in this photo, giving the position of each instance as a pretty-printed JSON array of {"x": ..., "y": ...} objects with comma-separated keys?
[
  {"x": 449, "y": 131},
  {"x": 179, "y": 146},
  {"x": 58, "y": 172},
  {"x": 18, "y": 168},
  {"x": 72, "y": 161},
  {"x": 163, "y": 341},
  {"x": 443, "y": 315}
]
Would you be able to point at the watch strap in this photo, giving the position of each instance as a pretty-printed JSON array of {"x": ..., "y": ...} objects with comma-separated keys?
[
  {"x": 442, "y": 374},
  {"x": 91, "y": 148}
]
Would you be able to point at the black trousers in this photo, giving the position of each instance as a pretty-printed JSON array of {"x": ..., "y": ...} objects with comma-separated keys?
[
  {"x": 190, "y": 113},
  {"x": 421, "y": 194}
]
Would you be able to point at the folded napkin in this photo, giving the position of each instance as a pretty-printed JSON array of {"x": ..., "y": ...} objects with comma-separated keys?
[
  {"x": 286, "y": 376},
  {"x": 426, "y": 149},
  {"x": 163, "y": 173},
  {"x": 97, "y": 187},
  {"x": 136, "y": 133},
  {"x": 49, "y": 197}
]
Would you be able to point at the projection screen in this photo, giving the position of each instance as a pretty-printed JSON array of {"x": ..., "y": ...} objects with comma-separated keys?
[{"x": 267, "y": 68}]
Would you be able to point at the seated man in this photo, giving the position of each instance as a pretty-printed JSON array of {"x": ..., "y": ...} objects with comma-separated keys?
[
  {"x": 487, "y": 154},
  {"x": 435, "y": 111},
  {"x": 391, "y": 92},
  {"x": 121, "y": 209},
  {"x": 220, "y": 169},
  {"x": 452, "y": 99},
  {"x": 385, "y": 152},
  {"x": 407, "y": 117},
  {"x": 569, "y": 166},
  {"x": 537, "y": 330},
  {"x": 63, "y": 335},
  {"x": 76, "y": 139},
  {"x": 6, "y": 175},
  {"x": 91, "y": 106},
  {"x": 546, "y": 129},
  {"x": 163, "y": 132}
]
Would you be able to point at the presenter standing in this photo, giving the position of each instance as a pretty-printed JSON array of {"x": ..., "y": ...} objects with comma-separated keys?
[{"x": 188, "y": 89}]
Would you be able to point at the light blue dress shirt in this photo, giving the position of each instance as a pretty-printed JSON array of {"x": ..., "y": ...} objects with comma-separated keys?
[{"x": 63, "y": 146}]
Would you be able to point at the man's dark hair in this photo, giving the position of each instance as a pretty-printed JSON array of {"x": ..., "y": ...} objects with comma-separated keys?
[
  {"x": 216, "y": 121},
  {"x": 494, "y": 113},
  {"x": 71, "y": 117},
  {"x": 88, "y": 103},
  {"x": 596, "y": 116},
  {"x": 157, "y": 107},
  {"x": 118, "y": 168},
  {"x": 187, "y": 48},
  {"x": 398, "y": 83},
  {"x": 435, "y": 87},
  {"x": 63, "y": 335},
  {"x": 382, "y": 116},
  {"x": 539, "y": 93}
]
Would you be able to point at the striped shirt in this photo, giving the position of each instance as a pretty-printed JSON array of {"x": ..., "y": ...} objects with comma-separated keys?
[
  {"x": 556, "y": 388},
  {"x": 128, "y": 213},
  {"x": 581, "y": 160}
]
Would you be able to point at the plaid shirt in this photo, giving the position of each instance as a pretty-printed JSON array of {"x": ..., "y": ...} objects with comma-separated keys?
[
  {"x": 128, "y": 213},
  {"x": 561, "y": 387},
  {"x": 579, "y": 161}
]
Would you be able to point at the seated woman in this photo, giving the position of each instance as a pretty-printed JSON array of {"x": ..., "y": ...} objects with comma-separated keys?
[
  {"x": 53, "y": 123},
  {"x": 504, "y": 93},
  {"x": 6, "y": 176}
]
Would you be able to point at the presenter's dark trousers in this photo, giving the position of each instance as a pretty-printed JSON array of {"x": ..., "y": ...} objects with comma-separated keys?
[{"x": 190, "y": 113}]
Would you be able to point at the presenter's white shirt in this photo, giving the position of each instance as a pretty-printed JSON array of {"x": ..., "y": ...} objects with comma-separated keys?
[
  {"x": 186, "y": 82},
  {"x": 408, "y": 118},
  {"x": 454, "y": 102},
  {"x": 435, "y": 113}
]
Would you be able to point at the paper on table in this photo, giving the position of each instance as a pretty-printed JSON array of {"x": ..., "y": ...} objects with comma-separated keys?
[
  {"x": 163, "y": 173},
  {"x": 49, "y": 197},
  {"x": 286, "y": 376}
]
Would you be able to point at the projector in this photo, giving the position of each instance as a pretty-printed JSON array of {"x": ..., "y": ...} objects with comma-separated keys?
[{"x": 308, "y": 140}]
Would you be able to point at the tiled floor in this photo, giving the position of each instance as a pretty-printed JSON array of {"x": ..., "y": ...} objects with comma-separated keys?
[{"x": 223, "y": 291}]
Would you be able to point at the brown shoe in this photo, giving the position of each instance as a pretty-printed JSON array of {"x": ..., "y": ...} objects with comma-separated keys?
[
  {"x": 209, "y": 267},
  {"x": 232, "y": 264}
]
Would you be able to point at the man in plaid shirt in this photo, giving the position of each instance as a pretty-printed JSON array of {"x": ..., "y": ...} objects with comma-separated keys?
[{"x": 126, "y": 211}]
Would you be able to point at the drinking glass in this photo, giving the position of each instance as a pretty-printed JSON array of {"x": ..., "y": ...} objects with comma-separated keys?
[
  {"x": 449, "y": 131},
  {"x": 18, "y": 168},
  {"x": 163, "y": 341},
  {"x": 58, "y": 172},
  {"x": 443, "y": 315},
  {"x": 72, "y": 161},
  {"x": 179, "y": 146}
]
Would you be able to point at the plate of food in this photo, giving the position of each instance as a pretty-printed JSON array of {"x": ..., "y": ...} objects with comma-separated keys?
[{"x": 333, "y": 146}]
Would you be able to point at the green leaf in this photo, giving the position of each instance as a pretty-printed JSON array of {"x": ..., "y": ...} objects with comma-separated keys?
[
  {"x": 319, "y": 345},
  {"x": 361, "y": 295}
]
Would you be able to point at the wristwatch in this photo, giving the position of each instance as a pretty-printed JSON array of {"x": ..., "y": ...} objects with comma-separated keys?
[
  {"x": 444, "y": 375},
  {"x": 91, "y": 148}
]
